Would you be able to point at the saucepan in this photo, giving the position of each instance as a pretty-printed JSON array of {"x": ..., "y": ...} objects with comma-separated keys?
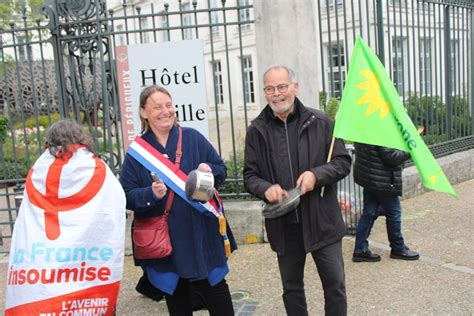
[{"x": 199, "y": 186}]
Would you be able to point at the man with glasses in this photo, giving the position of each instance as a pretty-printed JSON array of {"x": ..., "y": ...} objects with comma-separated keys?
[{"x": 287, "y": 146}]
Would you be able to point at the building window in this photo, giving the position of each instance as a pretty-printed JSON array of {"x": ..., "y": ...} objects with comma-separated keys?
[
  {"x": 336, "y": 69},
  {"x": 145, "y": 37},
  {"x": 187, "y": 21},
  {"x": 219, "y": 87},
  {"x": 214, "y": 19},
  {"x": 454, "y": 60},
  {"x": 244, "y": 14},
  {"x": 249, "y": 88},
  {"x": 425, "y": 64},
  {"x": 24, "y": 49},
  {"x": 331, "y": 4},
  {"x": 396, "y": 3},
  {"x": 120, "y": 37},
  {"x": 164, "y": 25},
  {"x": 397, "y": 63}
]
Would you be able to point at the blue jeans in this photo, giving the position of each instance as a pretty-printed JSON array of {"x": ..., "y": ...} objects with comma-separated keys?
[{"x": 393, "y": 210}]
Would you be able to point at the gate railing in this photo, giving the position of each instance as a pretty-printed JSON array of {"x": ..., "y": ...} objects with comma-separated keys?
[
  {"x": 64, "y": 66},
  {"x": 427, "y": 48}
]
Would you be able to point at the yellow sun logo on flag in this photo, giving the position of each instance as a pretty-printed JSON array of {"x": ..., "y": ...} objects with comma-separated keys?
[
  {"x": 373, "y": 96},
  {"x": 433, "y": 179}
]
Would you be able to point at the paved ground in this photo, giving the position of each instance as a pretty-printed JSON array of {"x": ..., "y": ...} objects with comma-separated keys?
[{"x": 440, "y": 283}]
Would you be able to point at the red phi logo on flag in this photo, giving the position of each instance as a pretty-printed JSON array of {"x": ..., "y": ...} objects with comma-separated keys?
[{"x": 52, "y": 204}]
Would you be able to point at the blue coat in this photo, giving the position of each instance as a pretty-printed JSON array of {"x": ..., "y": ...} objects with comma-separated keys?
[{"x": 197, "y": 245}]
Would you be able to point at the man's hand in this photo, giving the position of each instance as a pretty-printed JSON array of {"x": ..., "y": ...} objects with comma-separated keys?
[
  {"x": 275, "y": 194},
  {"x": 306, "y": 182}
]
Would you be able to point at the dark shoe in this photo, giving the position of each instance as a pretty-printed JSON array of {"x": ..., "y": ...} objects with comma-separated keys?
[
  {"x": 147, "y": 289},
  {"x": 405, "y": 254},
  {"x": 367, "y": 256}
]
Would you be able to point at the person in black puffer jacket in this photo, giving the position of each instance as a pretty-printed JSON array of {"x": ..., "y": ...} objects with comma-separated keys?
[{"x": 379, "y": 171}]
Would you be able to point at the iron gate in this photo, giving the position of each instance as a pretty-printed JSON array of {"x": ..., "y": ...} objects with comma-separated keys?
[{"x": 63, "y": 66}]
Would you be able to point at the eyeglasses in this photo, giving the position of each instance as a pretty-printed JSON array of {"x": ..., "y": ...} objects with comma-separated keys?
[{"x": 282, "y": 88}]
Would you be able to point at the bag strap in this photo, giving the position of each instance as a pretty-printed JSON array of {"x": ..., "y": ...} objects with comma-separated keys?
[{"x": 177, "y": 162}]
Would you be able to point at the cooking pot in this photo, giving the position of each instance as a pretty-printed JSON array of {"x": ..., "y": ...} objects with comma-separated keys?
[{"x": 199, "y": 186}]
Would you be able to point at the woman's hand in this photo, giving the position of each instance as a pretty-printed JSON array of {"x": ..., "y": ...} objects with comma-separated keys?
[
  {"x": 159, "y": 188},
  {"x": 204, "y": 168}
]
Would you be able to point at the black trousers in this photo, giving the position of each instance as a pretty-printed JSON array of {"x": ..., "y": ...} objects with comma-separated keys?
[
  {"x": 216, "y": 298},
  {"x": 330, "y": 265}
]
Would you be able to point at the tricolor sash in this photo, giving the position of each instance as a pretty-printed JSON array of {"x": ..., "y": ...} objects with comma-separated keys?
[{"x": 175, "y": 179}]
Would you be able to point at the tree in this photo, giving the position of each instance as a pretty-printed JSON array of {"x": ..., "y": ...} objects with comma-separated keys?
[{"x": 13, "y": 10}]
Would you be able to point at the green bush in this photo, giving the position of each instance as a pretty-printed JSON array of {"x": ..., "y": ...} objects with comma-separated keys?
[
  {"x": 323, "y": 96},
  {"x": 41, "y": 120},
  {"x": 9, "y": 170},
  {"x": 3, "y": 129},
  {"x": 234, "y": 183},
  {"x": 332, "y": 107},
  {"x": 329, "y": 106},
  {"x": 431, "y": 112}
]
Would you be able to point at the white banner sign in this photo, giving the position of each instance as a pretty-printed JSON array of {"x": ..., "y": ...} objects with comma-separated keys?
[
  {"x": 178, "y": 67},
  {"x": 67, "y": 247}
]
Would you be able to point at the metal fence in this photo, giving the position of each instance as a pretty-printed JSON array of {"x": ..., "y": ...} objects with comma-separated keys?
[
  {"x": 64, "y": 66},
  {"x": 427, "y": 47}
]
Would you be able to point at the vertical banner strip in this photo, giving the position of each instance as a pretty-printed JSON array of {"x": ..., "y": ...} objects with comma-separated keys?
[{"x": 125, "y": 95}]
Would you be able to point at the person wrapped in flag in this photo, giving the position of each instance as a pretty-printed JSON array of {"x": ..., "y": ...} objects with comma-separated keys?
[
  {"x": 67, "y": 249},
  {"x": 198, "y": 259}
]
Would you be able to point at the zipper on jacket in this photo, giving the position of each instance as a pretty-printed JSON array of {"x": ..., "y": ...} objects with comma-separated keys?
[
  {"x": 291, "y": 165},
  {"x": 309, "y": 121}
]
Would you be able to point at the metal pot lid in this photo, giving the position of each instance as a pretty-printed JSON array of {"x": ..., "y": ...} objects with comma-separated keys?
[{"x": 288, "y": 204}]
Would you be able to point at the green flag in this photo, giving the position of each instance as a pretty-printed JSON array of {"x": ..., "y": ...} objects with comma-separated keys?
[{"x": 371, "y": 112}]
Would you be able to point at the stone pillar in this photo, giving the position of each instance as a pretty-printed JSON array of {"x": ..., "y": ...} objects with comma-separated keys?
[{"x": 285, "y": 34}]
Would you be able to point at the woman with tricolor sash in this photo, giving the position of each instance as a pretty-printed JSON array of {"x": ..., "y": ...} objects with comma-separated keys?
[{"x": 198, "y": 259}]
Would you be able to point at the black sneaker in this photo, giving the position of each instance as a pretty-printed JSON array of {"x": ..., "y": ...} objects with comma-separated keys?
[
  {"x": 405, "y": 254},
  {"x": 367, "y": 256}
]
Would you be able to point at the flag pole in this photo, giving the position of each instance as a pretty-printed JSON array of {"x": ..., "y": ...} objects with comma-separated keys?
[{"x": 329, "y": 159}]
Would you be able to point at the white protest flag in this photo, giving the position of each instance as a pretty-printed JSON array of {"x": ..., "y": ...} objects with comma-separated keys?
[{"x": 67, "y": 246}]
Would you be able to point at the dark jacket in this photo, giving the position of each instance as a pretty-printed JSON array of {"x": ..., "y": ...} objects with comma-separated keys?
[
  {"x": 379, "y": 169},
  {"x": 320, "y": 216},
  {"x": 197, "y": 244}
]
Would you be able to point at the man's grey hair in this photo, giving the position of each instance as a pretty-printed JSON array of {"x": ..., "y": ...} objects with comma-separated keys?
[
  {"x": 291, "y": 73},
  {"x": 64, "y": 133}
]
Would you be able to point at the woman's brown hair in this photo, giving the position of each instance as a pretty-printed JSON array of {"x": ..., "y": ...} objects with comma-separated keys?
[
  {"x": 144, "y": 95},
  {"x": 64, "y": 133}
]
